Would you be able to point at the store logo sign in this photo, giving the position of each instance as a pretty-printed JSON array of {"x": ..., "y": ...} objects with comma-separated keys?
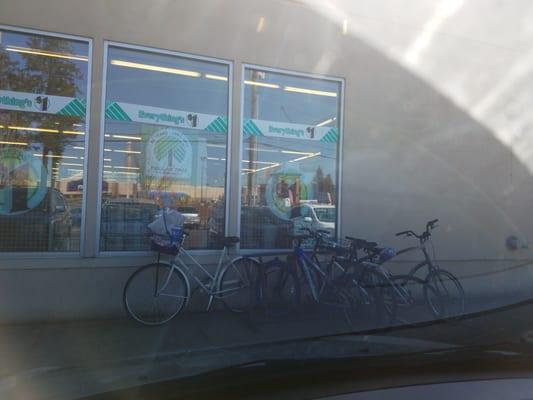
[
  {"x": 168, "y": 155},
  {"x": 22, "y": 181}
]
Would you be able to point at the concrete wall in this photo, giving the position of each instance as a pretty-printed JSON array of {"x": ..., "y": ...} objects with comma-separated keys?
[{"x": 409, "y": 154}]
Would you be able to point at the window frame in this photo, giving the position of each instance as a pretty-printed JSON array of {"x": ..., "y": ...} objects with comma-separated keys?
[
  {"x": 227, "y": 186},
  {"x": 90, "y": 60},
  {"x": 340, "y": 119}
]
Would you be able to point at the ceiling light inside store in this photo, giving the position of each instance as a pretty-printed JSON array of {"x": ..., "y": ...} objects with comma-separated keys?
[
  {"x": 326, "y": 122},
  {"x": 216, "y": 159},
  {"x": 71, "y": 164},
  {"x": 53, "y": 156},
  {"x": 305, "y": 157},
  {"x": 37, "y": 52},
  {"x": 270, "y": 166},
  {"x": 295, "y": 152},
  {"x": 14, "y": 143},
  {"x": 156, "y": 68},
  {"x": 216, "y": 77},
  {"x": 262, "y": 84},
  {"x": 127, "y": 137},
  {"x": 345, "y": 27},
  {"x": 259, "y": 162},
  {"x": 107, "y": 159},
  {"x": 127, "y": 167},
  {"x": 263, "y": 149},
  {"x": 309, "y": 91},
  {"x": 78, "y": 147},
  {"x": 27, "y": 128},
  {"x": 127, "y": 151}
]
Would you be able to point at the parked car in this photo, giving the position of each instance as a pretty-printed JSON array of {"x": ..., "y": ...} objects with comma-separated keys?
[{"x": 45, "y": 227}]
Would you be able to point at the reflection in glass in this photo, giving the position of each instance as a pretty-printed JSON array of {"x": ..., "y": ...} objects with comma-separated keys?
[
  {"x": 43, "y": 90},
  {"x": 289, "y": 160},
  {"x": 165, "y": 145}
]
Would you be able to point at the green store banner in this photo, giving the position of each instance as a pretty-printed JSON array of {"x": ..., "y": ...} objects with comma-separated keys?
[
  {"x": 42, "y": 103},
  {"x": 258, "y": 127},
  {"x": 118, "y": 111}
]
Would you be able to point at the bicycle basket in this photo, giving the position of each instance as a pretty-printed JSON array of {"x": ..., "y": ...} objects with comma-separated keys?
[{"x": 164, "y": 245}]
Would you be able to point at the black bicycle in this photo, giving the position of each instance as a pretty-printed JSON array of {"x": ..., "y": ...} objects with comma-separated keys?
[{"x": 303, "y": 279}]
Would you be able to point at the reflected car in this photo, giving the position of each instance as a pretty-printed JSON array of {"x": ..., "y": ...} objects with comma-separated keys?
[
  {"x": 314, "y": 216},
  {"x": 125, "y": 224},
  {"x": 192, "y": 218},
  {"x": 46, "y": 227}
]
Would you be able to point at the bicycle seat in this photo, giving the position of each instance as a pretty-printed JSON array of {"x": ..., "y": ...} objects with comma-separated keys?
[
  {"x": 230, "y": 240},
  {"x": 361, "y": 243}
]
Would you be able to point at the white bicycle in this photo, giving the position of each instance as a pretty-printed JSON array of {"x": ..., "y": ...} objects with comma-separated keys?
[{"x": 157, "y": 292}]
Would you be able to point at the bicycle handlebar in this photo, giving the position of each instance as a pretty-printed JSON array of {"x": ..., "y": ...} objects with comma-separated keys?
[{"x": 424, "y": 235}]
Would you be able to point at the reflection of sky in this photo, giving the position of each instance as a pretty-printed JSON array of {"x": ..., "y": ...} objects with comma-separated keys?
[
  {"x": 78, "y": 48},
  {"x": 159, "y": 89}
]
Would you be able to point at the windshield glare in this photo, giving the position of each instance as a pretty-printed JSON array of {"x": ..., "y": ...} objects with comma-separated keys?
[{"x": 262, "y": 189}]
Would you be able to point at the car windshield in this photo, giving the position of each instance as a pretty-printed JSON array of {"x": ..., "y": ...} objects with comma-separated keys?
[
  {"x": 265, "y": 198},
  {"x": 325, "y": 214}
]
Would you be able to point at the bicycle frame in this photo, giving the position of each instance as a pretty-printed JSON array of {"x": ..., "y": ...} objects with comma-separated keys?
[
  {"x": 212, "y": 278},
  {"x": 428, "y": 262}
]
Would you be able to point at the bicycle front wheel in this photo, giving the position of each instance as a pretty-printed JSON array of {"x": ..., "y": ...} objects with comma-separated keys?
[
  {"x": 155, "y": 293},
  {"x": 444, "y": 294},
  {"x": 238, "y": 286},
  {"x": 280, "y": 289}
]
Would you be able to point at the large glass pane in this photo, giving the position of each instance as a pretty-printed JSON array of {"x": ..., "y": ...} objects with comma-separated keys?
[
  {"x": 289, "y": 159},
  {"x": 43, "y": 97},
  {"x": 165, "y": 144}
]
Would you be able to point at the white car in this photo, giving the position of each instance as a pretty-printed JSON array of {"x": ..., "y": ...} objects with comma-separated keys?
[
  {"x": 314, "y": 216},
  {"x": 192, "y": 218}
]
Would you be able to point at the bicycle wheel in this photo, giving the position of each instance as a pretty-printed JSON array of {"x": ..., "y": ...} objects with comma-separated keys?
[
  {"x": 155, "y": 293},
  {"x": 411, "y": 301},
  {"x": 444, "y": 294},
  {"x": 280, "y": 289},
  {"x": 238, "y": 285},
  {"x": 380, "y": 291},
  {"x": 361, "y": 306}
]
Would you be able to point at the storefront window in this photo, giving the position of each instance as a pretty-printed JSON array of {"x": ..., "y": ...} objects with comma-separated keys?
[
  {"x": 43, "y": 98},
  {"x": 166, "y": 123},
  {"x": 289, "y": 159}
]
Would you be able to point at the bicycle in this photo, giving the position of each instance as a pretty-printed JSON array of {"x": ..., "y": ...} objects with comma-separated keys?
[
  {"x": 157, "y": 292},
  {"x": 305, "y": 273},
  {"x": 442, "y": 291}
]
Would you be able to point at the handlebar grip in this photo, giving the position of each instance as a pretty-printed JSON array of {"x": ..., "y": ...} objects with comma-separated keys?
[
  {"x": 433, "y": 222},
  {"x": 402, "y": 233}
]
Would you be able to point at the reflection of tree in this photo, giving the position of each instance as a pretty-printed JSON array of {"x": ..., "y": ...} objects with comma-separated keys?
[
  {"x": 323, "y": 184},
  {"x": 42, "y": 75}
]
